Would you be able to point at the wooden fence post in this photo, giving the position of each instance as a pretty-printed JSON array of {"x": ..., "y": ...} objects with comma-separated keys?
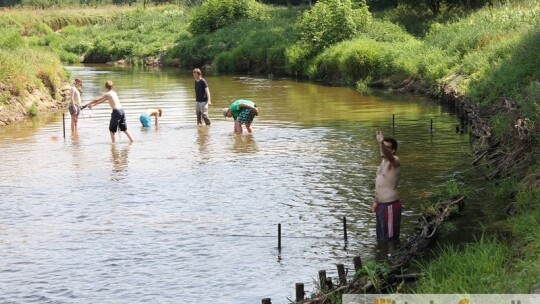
[
  {"x": 322, "y": 279},
  {"x": 341, "y": 274},
  {"x": 299, "y": 292},
  {"x": 357, "y": 261}
]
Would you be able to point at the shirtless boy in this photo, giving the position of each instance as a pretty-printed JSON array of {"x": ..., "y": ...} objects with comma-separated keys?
[
  {"x": 118, "y": 116},
  {"x": 387, "y": 205},
  {"x": 146, "y": 118}
]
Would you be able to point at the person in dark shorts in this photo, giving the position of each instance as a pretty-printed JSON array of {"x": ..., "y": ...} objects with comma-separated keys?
[
  {"x": 202, "y": 98},
  {"x": 118, "y": 116},
  {"x": 387, "y": 206},
  {"x": 243, "y": 111}
]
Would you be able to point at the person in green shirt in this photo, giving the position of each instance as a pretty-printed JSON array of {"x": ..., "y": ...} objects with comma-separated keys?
[{"x": 243, "y": 111}]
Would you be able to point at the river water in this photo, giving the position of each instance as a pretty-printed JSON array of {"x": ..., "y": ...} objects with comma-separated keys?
[{"x": 189, "y": 214}]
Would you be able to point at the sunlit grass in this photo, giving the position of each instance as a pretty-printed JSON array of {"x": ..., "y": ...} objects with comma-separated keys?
[{"x": 476, "y": 269}]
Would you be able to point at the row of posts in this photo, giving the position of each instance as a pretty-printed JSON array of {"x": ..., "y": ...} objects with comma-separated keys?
[
  {"x": 325, "y": 283},
  {"x": 344, "y": 233},
  {"x": 393, "y": 123}
]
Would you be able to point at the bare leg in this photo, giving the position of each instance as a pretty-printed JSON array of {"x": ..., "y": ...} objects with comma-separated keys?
[
  {"x": 74, "y": 119},
  {"x": 128, "y": 135},
  {"x": 237, "y": 128},
  {"x": 249, "y": 128},
  {"x": 112, "y": 136}
]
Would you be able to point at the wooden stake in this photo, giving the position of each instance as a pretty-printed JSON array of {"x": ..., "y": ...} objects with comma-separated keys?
[
  {"x": 345, "y": 229},
  {"x": 357, "y": 261},
  {"x": 322, "y": 279},
  {"x": 299, "y": 292},
  {"x": 279, "y": 236},
  {"x": 341, "y": 274},
  {"x": 64, "y": 124}
]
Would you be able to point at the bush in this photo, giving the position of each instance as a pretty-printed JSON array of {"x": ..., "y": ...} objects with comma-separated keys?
[
  {"x": 215, "y": 14},
  {"x": 10, "y": 39},
  {"x": 327, "y": 23}
]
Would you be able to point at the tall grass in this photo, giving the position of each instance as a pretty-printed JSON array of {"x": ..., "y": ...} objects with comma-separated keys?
[
  {"x": 258, "y": 45},
  {"x": 32, "y": 22},
  {"x": 26, "y": 69},
  {"x": 476, "y": 269},
  {"x": 131, "y": 35}
]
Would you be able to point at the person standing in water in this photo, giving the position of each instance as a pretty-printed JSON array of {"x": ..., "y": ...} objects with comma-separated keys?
[
  {"x": 118, "y": 116},
  {"x": 387, "y": 206},
  {"x": 74, "y": 106},
  {"x": 202, "y": 98}
]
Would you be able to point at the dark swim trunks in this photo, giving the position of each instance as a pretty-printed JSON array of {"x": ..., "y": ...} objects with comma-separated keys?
[
  {"x": 388, "y": 220},
  {"x": 74, "y": 110},
  {"x": 246, "y": 116},
  {"x": 118, "y": 121}
]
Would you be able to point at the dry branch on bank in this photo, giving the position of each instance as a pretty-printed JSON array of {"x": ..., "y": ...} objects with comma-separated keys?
[
  {"x": 504, "y": 155},
  {"x": 426, "y": 233}
]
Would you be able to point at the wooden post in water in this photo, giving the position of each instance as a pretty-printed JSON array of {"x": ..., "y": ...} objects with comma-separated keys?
[
  {"x": 266, "y": 301},
  {"x": 299, "y": 292},
  {"x": 279, "y": 236},
  {"x": 431, "y": 126},
  {"x": 393, "y": 121},
  {"x": 357, "y": 261},
  {"x": 329, "y": 284},
  {"x": 64, "y": 124},
  {"x": 345, "y": 229},
  {"x": 322, "y": 279},
  {"x": 341, "y": 274}
]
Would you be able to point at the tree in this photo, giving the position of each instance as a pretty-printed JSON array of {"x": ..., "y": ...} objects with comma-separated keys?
[{"x": 9, "y": 3}]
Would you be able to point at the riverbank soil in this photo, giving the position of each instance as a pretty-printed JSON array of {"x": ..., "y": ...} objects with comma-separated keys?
[{"x": 30, "y": 103}]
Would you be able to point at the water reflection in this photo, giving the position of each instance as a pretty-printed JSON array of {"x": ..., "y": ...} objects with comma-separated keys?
[
  {"x": 119, "y": 160},
  {"x": 77, "y": 149},
  {"x": 202, "y": 143},
  {"x": 244, "y": 143}
]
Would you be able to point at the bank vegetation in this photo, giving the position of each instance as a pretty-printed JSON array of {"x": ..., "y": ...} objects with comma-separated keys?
[{"x": 482, "y": 55}]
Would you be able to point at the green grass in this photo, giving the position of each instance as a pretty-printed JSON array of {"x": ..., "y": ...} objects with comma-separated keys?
[
  {"x": 478, "y": 268},
  {"x": 258, "y": 47},
  {"x": 132, "y": 35}
]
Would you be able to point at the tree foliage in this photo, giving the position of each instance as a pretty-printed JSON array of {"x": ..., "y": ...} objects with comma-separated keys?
[
  {"x": 328, "y": 22},
  {"x": 215, "y": 14}
]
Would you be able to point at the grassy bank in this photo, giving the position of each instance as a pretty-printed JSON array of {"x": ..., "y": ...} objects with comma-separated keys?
[
  {"x": 133, "y": 35},
  {"x": 30, "y": 79},
  {"x": 487, "y": 57},
  {"x": 31, "y": 73}
]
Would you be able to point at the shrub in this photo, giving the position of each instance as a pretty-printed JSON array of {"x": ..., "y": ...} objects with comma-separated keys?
[
  {"x": 10, "y": 39},
  {"x": 327, "y": 23},
  {"x": 215, "y": 14}
]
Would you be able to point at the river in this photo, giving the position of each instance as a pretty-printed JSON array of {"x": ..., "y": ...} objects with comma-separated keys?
[{"x": 189, "y": 214}]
